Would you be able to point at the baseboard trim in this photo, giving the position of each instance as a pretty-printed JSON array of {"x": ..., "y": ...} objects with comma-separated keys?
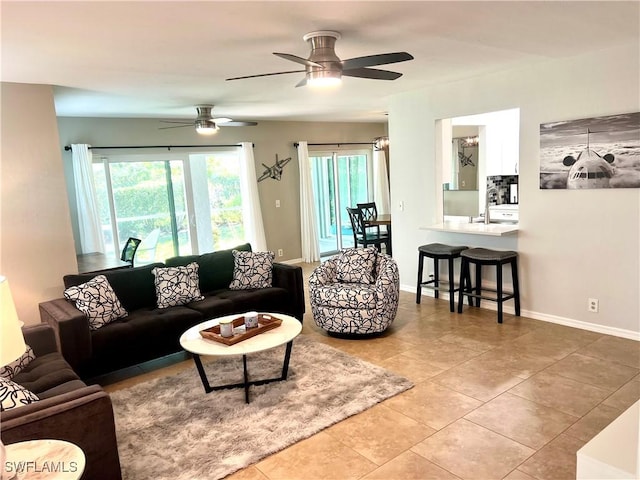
[
  {"x": 567, "y": 322},
  {"x": 290, "y": 262}
]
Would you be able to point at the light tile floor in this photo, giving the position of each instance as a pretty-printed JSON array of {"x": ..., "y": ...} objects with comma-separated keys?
[{"x": 490, "y": 401}]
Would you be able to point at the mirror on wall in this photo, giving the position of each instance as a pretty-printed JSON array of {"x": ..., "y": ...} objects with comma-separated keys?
[
  {"x": 464, "y": 159},
  {"x": 479, "y": 153}
]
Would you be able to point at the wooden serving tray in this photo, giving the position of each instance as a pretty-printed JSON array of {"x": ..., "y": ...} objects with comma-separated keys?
[{"x": 265, "y": 322}]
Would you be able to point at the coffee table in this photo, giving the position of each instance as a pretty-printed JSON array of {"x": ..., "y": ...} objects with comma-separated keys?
[{"x": 192, "y": 342}]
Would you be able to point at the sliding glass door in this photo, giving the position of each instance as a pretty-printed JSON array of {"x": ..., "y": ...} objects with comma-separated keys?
[
  {"x": 340, "y": 180},
  {"x": 145, "y": 200}
]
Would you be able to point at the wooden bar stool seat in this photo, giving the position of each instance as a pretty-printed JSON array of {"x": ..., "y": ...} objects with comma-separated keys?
[
  {"x": 437, "y": 252},
  {"x": 481, "y": 257}
]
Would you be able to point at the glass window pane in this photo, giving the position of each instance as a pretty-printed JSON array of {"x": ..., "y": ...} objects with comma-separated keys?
[
  {"x": 102, "y": 199},
  {"x": 181, "y": 213},
  {"x": 142, "y": 208},
  {"x": 225, "y": 199}
]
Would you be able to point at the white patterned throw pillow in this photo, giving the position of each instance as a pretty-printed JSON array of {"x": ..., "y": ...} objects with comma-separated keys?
[
  {"x": 355, "y": 265},
  {"x": 177, "y": 285},
  {"x": 252, "y": 270},
  {"x": 13, "y": 395},
  {"x": 11, "y": 370},
  {"x": 97, "y": 300}
]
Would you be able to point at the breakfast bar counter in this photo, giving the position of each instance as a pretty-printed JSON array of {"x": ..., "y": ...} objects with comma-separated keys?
[{"x": 492, "y": 229}]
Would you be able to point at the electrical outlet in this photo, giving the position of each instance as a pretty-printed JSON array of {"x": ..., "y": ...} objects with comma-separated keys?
[
  {"x": 277, "y": 203},
  {"x": 280, "y": 252},
  {"x": 593, "y": 305}
]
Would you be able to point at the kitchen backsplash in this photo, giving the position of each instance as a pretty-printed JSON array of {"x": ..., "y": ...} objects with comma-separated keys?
[{"x": 505, "y": 192}]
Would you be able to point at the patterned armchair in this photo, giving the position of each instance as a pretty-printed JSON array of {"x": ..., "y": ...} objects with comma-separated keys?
[{"x": 355, "y": 292}]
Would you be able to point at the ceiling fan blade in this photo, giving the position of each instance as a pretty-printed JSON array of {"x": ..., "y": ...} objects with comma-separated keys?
[
  {"x": 295, "y": 58},
  {"x": 374, "y": 73},
  {"x": 239, "y": 124},
  {"x": 373, "y": 60},
  {"x": 176, "y": 126},
  {"x": 221, "y": 120},
  {"x": 265, "y": 74},
  {"x": 177, "y": 121}
]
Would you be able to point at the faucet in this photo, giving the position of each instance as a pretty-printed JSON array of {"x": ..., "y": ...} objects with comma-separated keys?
[{"x": 487, "y": 218}]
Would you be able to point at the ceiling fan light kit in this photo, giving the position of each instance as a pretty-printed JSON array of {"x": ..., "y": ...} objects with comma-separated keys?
[
  {"x": 324, "y": 67},
  {"x": 205, "y": 124},
  {"x": 206, "y": 127}
]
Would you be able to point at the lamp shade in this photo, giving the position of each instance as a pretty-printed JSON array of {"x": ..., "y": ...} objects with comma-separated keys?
[{"x": 11, "y": 340}]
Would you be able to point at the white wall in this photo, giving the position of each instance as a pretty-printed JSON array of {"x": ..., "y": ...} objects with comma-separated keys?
[
  {"x": 572, "y": 244},
  {"x": 35, "y": 228}
]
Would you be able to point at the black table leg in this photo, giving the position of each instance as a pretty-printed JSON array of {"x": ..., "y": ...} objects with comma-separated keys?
[
  {"x": 287, "y": 357},
  {"x": 246, "y": 379},
  {"x": 246, "y": 383},
  {"x": 203, "y": 376}
]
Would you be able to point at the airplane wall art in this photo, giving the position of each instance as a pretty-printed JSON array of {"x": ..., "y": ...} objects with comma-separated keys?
[{"x": 597, "y": 152}]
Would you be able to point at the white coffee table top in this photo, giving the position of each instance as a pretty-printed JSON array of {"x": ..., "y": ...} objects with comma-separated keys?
[{"x": 192, "y": 342}]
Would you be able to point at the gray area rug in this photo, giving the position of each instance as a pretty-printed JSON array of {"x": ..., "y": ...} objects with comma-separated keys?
[{"x": 168, "y": 428}]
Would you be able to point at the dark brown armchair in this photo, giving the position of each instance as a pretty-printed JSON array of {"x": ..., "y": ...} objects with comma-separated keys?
[{"x": 68, "y": 409}]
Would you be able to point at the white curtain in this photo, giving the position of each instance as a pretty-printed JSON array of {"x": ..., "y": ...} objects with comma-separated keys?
[
  {"x": 251, "y": 212},
  {"x": 381, "y": 182},
  {"x": 309, "y": 227},
  {"x": 88, "y": 219}
]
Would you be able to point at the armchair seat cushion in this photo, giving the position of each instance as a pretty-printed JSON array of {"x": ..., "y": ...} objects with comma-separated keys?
[
  {"x": 48, "y": 375},
  {"x": 346, "y": 295}
]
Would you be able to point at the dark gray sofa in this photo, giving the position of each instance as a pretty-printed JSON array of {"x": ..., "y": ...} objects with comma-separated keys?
[
  {"x": 149, "y": 332},
  {"x": 68, "y": 409}
]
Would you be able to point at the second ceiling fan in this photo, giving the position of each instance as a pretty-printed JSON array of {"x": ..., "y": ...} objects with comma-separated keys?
[
  {"x": 205, "y": 124},
  {"x": 324, "y": 67}
]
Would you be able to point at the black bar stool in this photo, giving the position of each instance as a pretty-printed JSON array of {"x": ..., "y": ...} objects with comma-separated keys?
[
  {"x": 438, "y": 251},
  {"x": 497, "y": 258}
]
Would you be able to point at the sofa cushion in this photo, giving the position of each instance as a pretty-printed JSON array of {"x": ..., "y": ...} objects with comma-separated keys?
[
  {"x": 346, "y": 295},
  {"x": 216, "y": 268},
  {"x": 356, "y": 265},
  {"x": 9, "y": 371},
  {"x": 252, "y": 270},
  {"x": 13, "y": 395},
  {"x": 133, "y": 286},
  {"x": 177, "y": 285},
  {"x": 97, "y": 300},
  {"x": 213, "y": 306},
  {"x": 273, "y": 299},
  {"x": 146, "y": 333},
  {"x": 49, "y": 375}
]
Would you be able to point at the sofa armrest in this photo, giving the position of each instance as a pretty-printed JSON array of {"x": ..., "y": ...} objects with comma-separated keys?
[
  {"x": 289, "y": 277},
  {"x": 71, "y": 329},
  {"x": 41, "y": 338},
  {"x": 83, "y": 417}
]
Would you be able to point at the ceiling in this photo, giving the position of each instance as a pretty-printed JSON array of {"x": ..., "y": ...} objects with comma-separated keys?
[{"x": 160, "y": 59}]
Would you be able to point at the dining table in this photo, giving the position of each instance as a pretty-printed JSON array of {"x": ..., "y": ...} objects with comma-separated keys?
[
  {"x": 99, "y": 262},
  {"x": 382, "y": 219}
]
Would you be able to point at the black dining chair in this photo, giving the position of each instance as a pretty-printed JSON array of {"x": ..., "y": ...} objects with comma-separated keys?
[
  {"x": 360, "y": 234},
  {"x": 129, "y": 250},
  {"x": 369, "y": 212}
]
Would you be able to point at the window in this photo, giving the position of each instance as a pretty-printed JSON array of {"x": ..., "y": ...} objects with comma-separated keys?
[
  {"x": 340, "y": 179},
  {"x": 177, "y": 204}
]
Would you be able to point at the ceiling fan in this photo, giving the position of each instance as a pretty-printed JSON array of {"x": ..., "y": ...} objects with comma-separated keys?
[
  {"x": 205, "y": 123},
  {"x": 323, "y": 67}
]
